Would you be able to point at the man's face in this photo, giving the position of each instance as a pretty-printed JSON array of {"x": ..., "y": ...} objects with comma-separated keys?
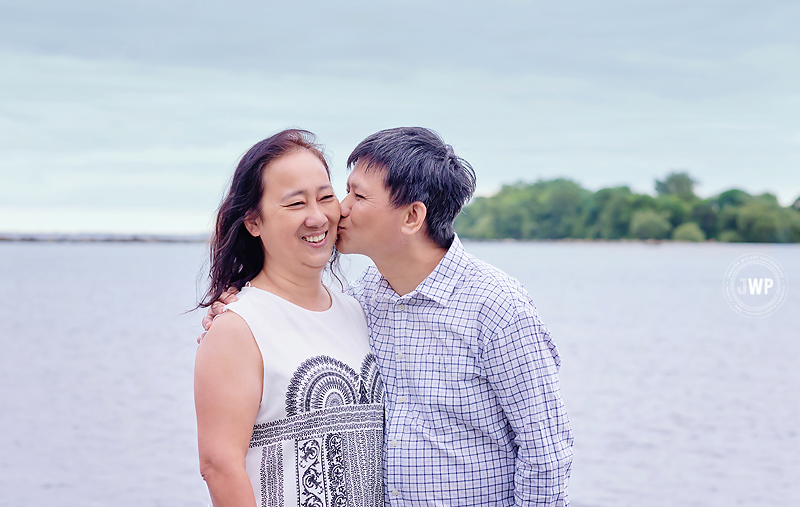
[{"x": 370, "y": 224}]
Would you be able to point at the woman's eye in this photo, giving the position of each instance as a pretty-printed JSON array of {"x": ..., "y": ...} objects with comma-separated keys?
[
  {"x": 297, "y": 203},
  {"x": 359, "y": 196},
  {"x": 327, "y": 197}
]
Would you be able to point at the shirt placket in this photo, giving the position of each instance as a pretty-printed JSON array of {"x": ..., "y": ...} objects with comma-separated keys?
[{"x": 400, "y": 402}]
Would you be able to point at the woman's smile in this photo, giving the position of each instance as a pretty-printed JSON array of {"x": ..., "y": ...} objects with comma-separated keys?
[{"x": 317, "y": 240}]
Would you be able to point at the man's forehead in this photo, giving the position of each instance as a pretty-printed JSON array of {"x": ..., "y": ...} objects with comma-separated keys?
[{"x": 365, "y": 172}]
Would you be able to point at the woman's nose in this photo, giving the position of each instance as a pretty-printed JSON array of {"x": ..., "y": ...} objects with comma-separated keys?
[{"x": 316, "y": 216}]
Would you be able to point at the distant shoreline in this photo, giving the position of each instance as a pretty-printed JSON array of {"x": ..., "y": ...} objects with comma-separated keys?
[
  {"x": 201, "y": 238},
  {"x": 103, "y": 238}
]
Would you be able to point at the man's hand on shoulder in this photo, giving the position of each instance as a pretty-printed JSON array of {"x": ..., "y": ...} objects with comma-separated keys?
[{"x": 216, "y": 309}]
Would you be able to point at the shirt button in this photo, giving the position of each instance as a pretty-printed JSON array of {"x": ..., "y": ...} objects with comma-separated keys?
[
  {"x": 394, "y": 443},
  {"x": 402, "y": 399},
  {"x": 401, "y": 307},
  {"x": 401, "y": 356},
  {"x": 395, "y": 492}
]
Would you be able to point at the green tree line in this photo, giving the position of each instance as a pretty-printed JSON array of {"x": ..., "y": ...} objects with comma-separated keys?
[{"x": 561, "y": 208}]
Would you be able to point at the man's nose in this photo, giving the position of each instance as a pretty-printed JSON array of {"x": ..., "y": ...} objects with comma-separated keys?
[{"x": 346, "y": 204}]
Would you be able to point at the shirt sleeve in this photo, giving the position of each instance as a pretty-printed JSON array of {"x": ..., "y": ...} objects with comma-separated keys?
[
  {"x": 356, "y": 288},
  {"x": 521, "y": 363}
]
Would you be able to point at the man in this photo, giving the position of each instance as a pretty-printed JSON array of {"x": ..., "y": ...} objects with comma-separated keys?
[{"x": 474, "y": 414}]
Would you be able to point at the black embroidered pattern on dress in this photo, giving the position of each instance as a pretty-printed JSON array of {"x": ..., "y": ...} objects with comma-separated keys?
[
  {"x": 371, "y": 384},
  {"x": 353, "y": 418},
  {"x": 362, "y": 465},
  {"x": 321, "y": 382},
  {"x": 310, "y": 474},
  {"x": 337, "y": 495},
  {"x": 335, "y": 420},
  {"x": 272, "y": 476}
]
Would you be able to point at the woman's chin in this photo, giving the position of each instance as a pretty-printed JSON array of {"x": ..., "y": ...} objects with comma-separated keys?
[{"x": 321, "y": 258}]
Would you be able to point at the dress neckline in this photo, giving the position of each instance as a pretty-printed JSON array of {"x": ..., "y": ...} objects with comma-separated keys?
[{"x": 257, "y": 290}]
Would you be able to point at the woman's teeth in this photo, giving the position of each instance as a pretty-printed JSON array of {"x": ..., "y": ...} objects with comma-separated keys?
[{"x": 314, "y": 239}]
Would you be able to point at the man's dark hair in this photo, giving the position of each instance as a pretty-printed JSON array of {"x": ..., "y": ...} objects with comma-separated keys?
[{"x": 418, "y": 166}]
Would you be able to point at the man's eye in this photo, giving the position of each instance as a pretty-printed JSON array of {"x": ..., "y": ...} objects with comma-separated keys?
[
  {"x": 327, "y": 197},
  {"x": 359, "y": 196},
  {"x": 297, "y": 203}
]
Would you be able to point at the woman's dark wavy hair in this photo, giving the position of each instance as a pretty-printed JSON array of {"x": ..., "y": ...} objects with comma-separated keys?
[{"x": 237, "y": 256}]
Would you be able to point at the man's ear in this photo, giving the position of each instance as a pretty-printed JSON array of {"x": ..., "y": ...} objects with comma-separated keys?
[
  {"x": 414, "y": 218},
  {"x": 253, "y": 225}
]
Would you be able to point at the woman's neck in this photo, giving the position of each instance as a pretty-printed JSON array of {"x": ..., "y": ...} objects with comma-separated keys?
[{"x": 304, "y": 291}]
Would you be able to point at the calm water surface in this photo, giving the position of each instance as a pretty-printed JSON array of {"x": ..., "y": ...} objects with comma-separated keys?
[{"x": 675, "y": 399}]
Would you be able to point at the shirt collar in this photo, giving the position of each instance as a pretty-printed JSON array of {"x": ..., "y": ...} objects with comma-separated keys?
[{"x": 438, "y": 285}]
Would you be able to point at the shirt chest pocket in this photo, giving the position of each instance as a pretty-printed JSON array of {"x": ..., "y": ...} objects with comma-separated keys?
[
  {"x": 446, "y": 371},
  {"x": 444, "y": 384}
]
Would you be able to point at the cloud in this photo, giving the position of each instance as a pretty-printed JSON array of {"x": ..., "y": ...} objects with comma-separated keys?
[{"x": 144, "y": 105}]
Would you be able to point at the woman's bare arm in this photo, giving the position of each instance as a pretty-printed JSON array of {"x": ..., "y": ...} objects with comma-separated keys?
[{"x": 228, "y": 382}]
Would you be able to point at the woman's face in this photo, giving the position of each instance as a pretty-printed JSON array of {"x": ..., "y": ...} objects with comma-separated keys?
[{"x": 299, "y": 213}]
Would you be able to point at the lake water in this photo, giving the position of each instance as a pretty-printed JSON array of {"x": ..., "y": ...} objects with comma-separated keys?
[{"x": 675, "y": 400}]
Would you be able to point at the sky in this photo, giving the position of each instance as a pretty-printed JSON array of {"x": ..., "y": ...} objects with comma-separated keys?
[{"x": 130, "y": 116}]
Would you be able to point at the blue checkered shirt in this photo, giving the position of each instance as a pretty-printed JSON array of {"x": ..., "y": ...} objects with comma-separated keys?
[{"x": 474, "y": 414}]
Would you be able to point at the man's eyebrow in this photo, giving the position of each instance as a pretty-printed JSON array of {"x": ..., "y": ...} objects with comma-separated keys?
[{"x": 300, "y": 192}]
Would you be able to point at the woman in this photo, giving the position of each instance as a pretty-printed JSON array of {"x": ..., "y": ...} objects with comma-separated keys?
[{"x": 288, "y": 397}]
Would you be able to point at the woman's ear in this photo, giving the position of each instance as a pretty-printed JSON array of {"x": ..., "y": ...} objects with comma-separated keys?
[
  {"x": 414, "y": 218},
  {"x": 253, "y": 225}
]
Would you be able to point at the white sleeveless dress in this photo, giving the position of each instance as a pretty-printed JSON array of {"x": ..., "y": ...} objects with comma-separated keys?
[{"x": 318, "y": 437}]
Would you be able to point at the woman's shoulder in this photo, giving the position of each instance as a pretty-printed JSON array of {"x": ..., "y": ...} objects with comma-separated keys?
[
  {"x": 229, "y": 323},
  {"x": 230, "y": 333},
  {"x": 252, "y": 303}
]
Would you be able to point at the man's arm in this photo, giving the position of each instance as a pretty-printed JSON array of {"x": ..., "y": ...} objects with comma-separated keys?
[
  {"x": 521, "y": 364},
  {"x": 217, "y": 308}
]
